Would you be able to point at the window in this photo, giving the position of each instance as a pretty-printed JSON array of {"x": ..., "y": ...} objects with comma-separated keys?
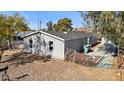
[
  {"x": 31, "y": 43},
  {"x": 19, "y": 38},
  {"x": 51, "y": 45}
]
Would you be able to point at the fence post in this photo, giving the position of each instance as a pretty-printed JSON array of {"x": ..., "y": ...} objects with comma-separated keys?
[
  {"x": 121, "y": 74},
  {"x": 74, "y": 56}
]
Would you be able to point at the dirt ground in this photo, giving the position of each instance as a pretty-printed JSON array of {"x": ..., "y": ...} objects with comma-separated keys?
[{"x": 29, "y": 67}]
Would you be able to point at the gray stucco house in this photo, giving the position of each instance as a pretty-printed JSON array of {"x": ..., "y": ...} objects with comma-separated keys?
[{"x": 55, "y": 43}]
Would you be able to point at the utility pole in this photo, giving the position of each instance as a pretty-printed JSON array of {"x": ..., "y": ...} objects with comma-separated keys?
[
  {"x": 40, "y": 24},
  {"x": 38, "y": 19}
]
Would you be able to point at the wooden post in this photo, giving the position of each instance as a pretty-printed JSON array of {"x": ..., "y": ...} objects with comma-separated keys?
[
  {"x": 74, "y": 56},
  {"x": 118, "y": 75},
  {"x": 5, "y": 74},
  {"x": 121, "y": 74}
]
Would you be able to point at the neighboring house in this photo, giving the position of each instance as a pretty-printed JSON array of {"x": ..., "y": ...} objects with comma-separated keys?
[
  {"x": 18, "y": 38},
  {"x": 55, "y": 43},
  {"x": 18, "y": 35},
  {"x": 80, "y": 29}
]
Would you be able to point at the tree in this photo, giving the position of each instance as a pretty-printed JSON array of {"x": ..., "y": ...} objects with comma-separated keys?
[
  {"x": 49, "y": 25},
  {"x": 3, "y": 45},
  {"x": 64, "y": 24},
  {"x": 43, "y": 29},
  {"x": 4, "y": 34},
  {"x": 109, "y": 24},
  {"x": 8, "y": 26},
  {"x": 21, "y": 23},
  {"x": 56, "y": 27}
]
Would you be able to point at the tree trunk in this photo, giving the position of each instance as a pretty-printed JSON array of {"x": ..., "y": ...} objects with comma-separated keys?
[
  {"x": 1, "y": 55},
  {"x": 119, "y": 50},
  {"x": 9, "y": 43},
  {"x": 0, "y": 58}
]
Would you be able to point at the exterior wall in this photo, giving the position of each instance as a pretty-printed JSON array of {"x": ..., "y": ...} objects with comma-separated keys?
[
  {"x": 26, "y": 47},
  {"x": 92, "y": 40},
  {"x": 41, "y": 45},
  {"x": 74, "y": 44},
  {"x": 77, "y": 44}
]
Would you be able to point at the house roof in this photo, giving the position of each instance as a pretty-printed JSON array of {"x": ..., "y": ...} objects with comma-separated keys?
[
  {"x": 63, "y": 35},
  {"x": 70, "y": 35},
  {"x": 80, "y": 29},
  {"x": 22, "y": 34},
  {"x": 29, "y": 33}
]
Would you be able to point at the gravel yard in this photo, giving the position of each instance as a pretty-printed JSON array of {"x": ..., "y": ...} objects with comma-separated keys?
[{"x": 29, "y": 67}]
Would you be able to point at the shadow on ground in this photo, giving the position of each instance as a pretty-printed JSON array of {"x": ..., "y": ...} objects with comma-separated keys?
[
  {"x": 23, "y": 58},
  {"x": 20, "y": 58},
  {"x": 108, "y": 48}
]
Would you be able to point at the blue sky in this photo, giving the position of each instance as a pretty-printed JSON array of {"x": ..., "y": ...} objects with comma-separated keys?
[{"x": 45, "y": 16}]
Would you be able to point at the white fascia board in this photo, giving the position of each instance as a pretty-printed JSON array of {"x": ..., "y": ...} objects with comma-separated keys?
[
  {"x": 52, "y": 35},
  {"x": 30, "y": 34}
]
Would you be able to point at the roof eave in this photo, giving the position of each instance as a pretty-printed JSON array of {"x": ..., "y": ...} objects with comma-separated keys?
[
  {"x": 30, "y": 34},
  {"x": 52, "y": 35},
  {"x": 44, "y": 33}
]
